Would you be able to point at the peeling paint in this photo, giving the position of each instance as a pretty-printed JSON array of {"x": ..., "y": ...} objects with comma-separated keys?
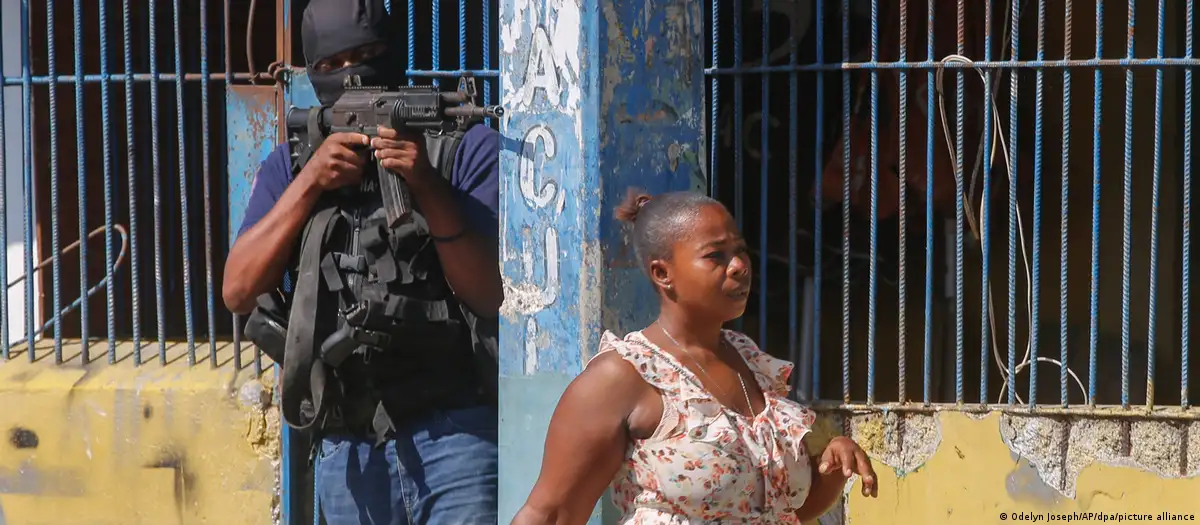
[
  {"x": 552, "y": 63},
  {"x": 902, "y": 441},
  {"x": 1060, "y": 448},
  {"x": 566, "y": 269},
  {"x": 251, "y": 120}
]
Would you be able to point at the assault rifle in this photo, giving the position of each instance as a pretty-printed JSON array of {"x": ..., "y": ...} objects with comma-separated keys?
[{"x": 441, "y": 116}]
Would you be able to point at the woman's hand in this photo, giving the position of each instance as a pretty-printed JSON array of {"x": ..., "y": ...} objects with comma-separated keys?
[{"x": 844, "y": 454}]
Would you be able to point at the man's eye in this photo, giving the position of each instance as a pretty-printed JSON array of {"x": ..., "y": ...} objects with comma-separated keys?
[{"x": 715, "y": 255}]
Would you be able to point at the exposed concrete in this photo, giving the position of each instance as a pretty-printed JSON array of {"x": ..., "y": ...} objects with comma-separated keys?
[
  {"x": 901, "y": 441},
  {"x": 257, "y": 399},
  {"x": 982, "y": 466},
  {"x": 1060, "y": 448}
]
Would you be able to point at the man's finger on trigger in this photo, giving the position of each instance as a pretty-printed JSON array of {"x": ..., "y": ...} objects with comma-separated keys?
[
  {"x": 354, "y": 139},
  {"x": 387, "y": 133},
  {"x": 382, "y": 143}
]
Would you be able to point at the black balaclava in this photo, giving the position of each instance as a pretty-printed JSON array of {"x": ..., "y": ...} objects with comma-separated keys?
[{"x": 333, "y": 26}]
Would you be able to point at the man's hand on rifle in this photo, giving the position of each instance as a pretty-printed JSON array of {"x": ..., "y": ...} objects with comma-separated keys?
[
  {"x": 336, "y": 163},
  {"x": 403, "y": 154}
]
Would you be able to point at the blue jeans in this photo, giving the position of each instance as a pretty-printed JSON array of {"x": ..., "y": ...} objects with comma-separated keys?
[{"x": 439, "y": 469}]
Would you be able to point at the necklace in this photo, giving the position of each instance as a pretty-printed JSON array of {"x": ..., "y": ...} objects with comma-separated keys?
[{"x": 745, "y": 392}]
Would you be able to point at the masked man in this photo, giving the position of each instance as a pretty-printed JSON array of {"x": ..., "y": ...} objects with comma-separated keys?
[{"x": 411, "y": 435}]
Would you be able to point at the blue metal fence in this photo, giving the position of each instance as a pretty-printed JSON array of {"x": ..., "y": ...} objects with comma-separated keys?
[
  {"x": 207, "y": 119},
  {"x": 138, "y": 115},
  {"x": 912, "y": 147}
]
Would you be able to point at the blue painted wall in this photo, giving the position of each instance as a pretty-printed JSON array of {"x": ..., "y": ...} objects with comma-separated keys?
[{"x": 600, "y": 96}]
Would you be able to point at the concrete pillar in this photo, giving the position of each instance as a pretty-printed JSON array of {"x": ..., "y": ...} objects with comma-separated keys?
[{"x": 601, "y": 96}]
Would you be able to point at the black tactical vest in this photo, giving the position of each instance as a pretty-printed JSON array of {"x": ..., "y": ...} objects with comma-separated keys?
[{"x": 373, "y": 333}]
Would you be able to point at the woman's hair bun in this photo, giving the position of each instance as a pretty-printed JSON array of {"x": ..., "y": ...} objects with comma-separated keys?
[{"x": 629, "y": 209}]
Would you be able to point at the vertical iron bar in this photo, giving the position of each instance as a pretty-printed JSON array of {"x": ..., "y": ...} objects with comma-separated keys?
[
  {"x": 227, "y": 53},
  {"x": 818, "y": 206},
  {"x": 184, "y": 216},
  {"x": 793, "y": 219},
  {"x": 126, "y": 31},
  {"x": 872, "y": 278},
  {"x": 739, "y": 183},
  {"x": 1013, "y": 210},
  {"x": 462, "y": 35},
  {"x": 902, "y": 322},
  {"x": 1185, "y": 308},
  {"x": 1036, "y": 279},
  {"x": 109, "y": 186},
  {"x": 714, "y": 114},
  {"x": 1128, "y": 213},
  {"x": 52, "y": 96},
  {"x": 1152, "y": 316},
  {"x": 159, "y": 302},
  {"x": 1094, "y": 314},
  {"x": 29, "y": 189},
  {"x": 1064, "y": 176},
  {"x": 412, "y": 41},
  {"x": 487, "y": 52},
  {"x": 985, "y": 212},
  {"x": 763, "y": 182},
  {"x": 81, "y": 166},
  {"x": 738, "y": 112},
  {"x": 206, "y": 186},
  {"x": 764, "y": 163},
  {"x": 929, "y": 128},
  {"x": 5, "y": 347},
  {"x": 958, "y": 209},
  {"x": 846, "y": 204}
]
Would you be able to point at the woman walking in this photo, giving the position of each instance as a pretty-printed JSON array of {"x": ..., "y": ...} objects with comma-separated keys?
[{"x": 687, "y": 422}]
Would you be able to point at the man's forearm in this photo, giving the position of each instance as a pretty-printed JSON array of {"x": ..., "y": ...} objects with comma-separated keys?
[
  {"x": 470, "y": 260},
  {"x": 258, "y": 258}
]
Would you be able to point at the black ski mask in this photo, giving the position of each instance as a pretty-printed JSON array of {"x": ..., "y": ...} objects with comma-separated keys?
[{"x": 335, "y": 26}]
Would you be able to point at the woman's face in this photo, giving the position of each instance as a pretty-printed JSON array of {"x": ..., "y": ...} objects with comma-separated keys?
[{"x": 709, "y": 271}]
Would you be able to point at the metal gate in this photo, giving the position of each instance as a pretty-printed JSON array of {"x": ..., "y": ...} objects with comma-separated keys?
[
  {"x": 899, "y": 169},
  {"x": 138, "y": 126}
]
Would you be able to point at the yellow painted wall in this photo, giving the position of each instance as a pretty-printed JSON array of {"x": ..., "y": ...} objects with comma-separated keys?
[
  {"x": 115, "y": 444},
  {"x": 973, "y": 475}
]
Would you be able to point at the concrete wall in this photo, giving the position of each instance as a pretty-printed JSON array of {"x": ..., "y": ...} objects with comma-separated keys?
[
  {"x": 118, "y": 444},
  {"x": 957, "y": 468}
]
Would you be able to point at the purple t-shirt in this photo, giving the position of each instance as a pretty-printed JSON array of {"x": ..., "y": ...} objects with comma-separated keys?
[{"x": 475, "y": 178}]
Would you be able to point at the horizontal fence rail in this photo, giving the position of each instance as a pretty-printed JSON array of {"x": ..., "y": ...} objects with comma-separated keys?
[{"x": 911, "y": 202}]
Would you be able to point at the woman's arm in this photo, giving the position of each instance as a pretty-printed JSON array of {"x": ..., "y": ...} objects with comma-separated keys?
[
  {"x": 841, "y": 459},
  {"x": 585, "y": 444},
  {"x": 826, "y": 488}
]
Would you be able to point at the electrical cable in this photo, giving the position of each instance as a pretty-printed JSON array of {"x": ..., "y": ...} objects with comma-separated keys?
[
  {"x": 972, "y": 220},
  {"x": 92, "y": 291}
]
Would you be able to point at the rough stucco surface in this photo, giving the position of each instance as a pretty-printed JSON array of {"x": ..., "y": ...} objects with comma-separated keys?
[
  {"x": 1061, "y": 448},
  {"x": 120, "y": 444},
  {"x": 957, "y": 468}
]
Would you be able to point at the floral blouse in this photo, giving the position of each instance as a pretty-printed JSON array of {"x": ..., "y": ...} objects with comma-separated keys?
[{"x": 706, "y": 463}]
